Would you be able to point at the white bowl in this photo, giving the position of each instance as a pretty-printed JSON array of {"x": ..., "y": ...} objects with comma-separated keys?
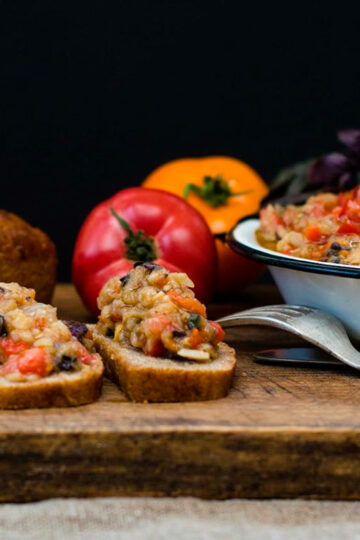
[{"x": 334, "y": 288}]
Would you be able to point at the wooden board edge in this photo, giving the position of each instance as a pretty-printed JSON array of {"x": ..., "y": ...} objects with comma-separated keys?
[{"x": 248, "y": 464}]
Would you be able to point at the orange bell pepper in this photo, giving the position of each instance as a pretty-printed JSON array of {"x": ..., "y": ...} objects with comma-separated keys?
[
  {"x": 223, "y": 190},
  {"x": 191, "y": 304},
  {"x": 195, "y": 338}
]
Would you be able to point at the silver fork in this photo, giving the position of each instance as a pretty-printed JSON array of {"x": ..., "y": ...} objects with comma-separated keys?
[{"x": 312, "y": 325}]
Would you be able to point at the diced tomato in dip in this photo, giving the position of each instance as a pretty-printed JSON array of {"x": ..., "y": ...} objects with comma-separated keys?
[
  {"x": 34, "y": 343},
  {"x": 156, "y": 311},
  {"x": 325, "y": 228}
]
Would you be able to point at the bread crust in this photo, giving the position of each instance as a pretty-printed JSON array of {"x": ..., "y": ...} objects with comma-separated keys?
[
  {"x": 27, "y": 256},
  {"x": 148, "y": 379},
  {"x": 58, "y": 390}
]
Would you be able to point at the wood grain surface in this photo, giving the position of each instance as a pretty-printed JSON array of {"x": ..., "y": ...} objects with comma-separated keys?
[{"x": 282, "y": 432}]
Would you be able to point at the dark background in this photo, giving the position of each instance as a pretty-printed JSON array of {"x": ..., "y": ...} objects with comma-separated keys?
[{"x": 93, "y": 96}]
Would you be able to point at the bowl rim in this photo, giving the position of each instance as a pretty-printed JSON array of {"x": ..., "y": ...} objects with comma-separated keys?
[{"x": 274, "y": 258}]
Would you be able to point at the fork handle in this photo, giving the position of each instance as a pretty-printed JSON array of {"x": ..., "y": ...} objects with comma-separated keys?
[{"x": 340, "y": 347}]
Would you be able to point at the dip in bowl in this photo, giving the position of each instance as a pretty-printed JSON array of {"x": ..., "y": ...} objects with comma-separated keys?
[{"x": 312, "y": 251}]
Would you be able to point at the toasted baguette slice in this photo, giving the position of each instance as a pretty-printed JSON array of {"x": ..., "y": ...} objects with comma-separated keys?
[
  {"x": 57, "y": 390},
  {"x": 146, "y": 378}
]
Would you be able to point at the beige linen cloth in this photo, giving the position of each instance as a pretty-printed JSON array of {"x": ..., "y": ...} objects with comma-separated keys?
[{"x": 181, "y": 518}]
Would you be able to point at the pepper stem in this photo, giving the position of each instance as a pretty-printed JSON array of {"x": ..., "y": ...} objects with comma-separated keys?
[
  {"x": 215, "y": 191},
  {"x": 139, "y": 247}
]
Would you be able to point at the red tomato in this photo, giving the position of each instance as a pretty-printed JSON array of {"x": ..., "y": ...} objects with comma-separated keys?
[
  {"x": 86, "y": 359},
  {"x": 220, "y": 332},
  {"x": 154, "y": 327},
  {"x": 10, "y": 366},
  {"x": 312, "y": 233},
  {"x": 154, "y": 347},
  {"x": 174, "y": 235},
  {"x": 84, "y": 355},
  {"x": 12, "y": 347},
  {"x": 33, "y": 361},
  {"x": 349, "y": 228},
  {"x": 157, "y": 324},
  {"x": 353, "y": 211},
  {"x": 317, "y": 212}
]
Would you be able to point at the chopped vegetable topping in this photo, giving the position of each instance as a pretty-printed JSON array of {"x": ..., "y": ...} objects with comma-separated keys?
[
  {"x": 194, "y": 354},
  {"x": 194, "y": 321},
  {"x": 326, "y": 228},
  {"x": 33, "y": 342},
  {"x": 156, "y": 311},
  {"x": 34, "y": 361},
  {"x": 191, "y": 304}
]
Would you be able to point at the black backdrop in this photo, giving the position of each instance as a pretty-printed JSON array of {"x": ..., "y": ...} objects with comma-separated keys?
[{"x": 94, "y": 95}]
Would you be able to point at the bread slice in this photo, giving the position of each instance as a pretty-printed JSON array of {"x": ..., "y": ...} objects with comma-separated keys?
[
  {"x": 57, "y": 390},
  {"x": 146, "y": 378}
]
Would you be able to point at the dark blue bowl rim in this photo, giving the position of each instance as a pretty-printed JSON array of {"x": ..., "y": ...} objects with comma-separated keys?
[{"x": 276, "y": 259}]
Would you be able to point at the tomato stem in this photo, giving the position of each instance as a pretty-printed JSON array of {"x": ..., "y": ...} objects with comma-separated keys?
[
  {"x": 139, "y": 247},
  {"x": 215, "y": 191}
]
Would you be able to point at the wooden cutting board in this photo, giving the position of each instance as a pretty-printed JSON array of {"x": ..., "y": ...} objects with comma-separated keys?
[{"x": 282, "y": 432}]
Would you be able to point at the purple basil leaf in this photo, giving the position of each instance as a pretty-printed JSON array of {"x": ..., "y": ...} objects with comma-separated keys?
[
  {"x": 328, "y": 169},
  {"x": 288, "y": 198},
  {"x": 332, "y": 172},
  {"x": 351, "y": 139},
  {"x": 344, "y": 180},
  {"x": 285, "y": 176}
]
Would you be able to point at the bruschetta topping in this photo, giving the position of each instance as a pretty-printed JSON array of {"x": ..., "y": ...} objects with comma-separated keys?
[
  {"x": 156, "y": 311},
  {"x": 34, "y": 343}
]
